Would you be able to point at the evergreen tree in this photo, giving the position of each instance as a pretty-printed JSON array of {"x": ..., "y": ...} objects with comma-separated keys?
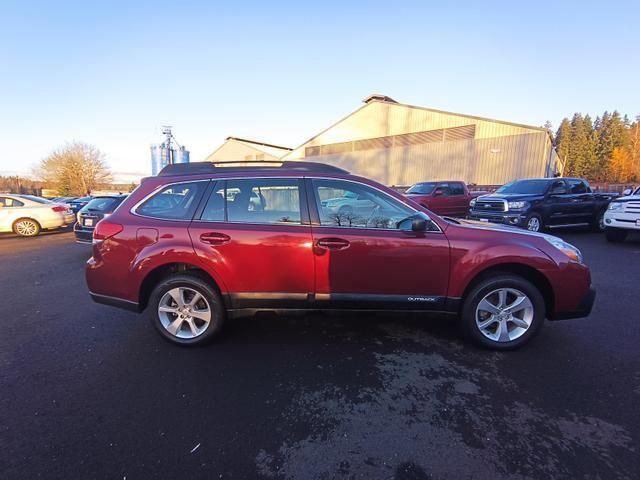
[{"x": 562, "y": 142}]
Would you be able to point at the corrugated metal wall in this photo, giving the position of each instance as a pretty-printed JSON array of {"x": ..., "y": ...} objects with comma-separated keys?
[{"x": 500, "y": 152}]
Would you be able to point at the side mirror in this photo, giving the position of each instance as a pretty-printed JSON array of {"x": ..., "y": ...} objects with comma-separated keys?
[
  {"x": 419, "y": 224},
  {"x": 558, "y": 191},
  {"x": 626, "y": 192},
  {"x": 437, "y": 192}
]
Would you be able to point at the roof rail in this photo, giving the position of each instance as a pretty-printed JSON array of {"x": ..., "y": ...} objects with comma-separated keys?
[{"x": 246, "y": 165}]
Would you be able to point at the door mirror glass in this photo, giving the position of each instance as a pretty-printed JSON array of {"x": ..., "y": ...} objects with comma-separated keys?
[
  {"x": 625, "y": 192},
  {"x": 437, "y": 192}
]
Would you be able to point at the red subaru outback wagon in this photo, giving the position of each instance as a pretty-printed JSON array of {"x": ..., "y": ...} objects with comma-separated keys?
[{"x": 202, "y": 242}]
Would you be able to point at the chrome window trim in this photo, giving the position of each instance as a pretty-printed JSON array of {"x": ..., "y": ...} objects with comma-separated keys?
[
  {"x": 132, "y": 210},
  {"x": 155, "y": 191}
]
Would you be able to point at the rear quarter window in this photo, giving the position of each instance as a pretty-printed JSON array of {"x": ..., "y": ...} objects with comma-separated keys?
[{"x": 173, "y": 202}]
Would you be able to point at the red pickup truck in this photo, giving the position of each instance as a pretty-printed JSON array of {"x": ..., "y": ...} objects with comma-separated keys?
[{"x": 450, "y": 198}]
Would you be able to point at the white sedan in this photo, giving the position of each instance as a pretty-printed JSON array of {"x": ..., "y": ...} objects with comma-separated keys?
[{"x": 26, "y": 215}]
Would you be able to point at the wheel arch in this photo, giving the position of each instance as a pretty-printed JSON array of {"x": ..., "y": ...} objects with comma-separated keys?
[
  {"x": 160, "y": 272},
  {"x": 538, "y": 279}
]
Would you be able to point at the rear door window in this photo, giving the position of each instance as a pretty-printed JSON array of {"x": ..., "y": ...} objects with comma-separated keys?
[
  {"x": 268, "y": 200},
  {"x": 577, "y": 186},
  {"x": 174, "y": 202},
  {"x": 456, "y": 188}
]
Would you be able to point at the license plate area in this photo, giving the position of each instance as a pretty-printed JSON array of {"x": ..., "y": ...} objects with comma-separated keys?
[{"x": 88, "y": 222}]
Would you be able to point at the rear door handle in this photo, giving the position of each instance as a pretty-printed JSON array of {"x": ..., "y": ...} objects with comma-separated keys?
[
  {"x": 332, "y": 243},
  {"x": 215, "y": 238}
]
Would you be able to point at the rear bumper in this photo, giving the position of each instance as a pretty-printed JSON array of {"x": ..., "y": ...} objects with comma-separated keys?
[
  {"x": 584, "y": 307},
  {"x": 115, "y": 302},
  {"x": 83, "y": 234}
]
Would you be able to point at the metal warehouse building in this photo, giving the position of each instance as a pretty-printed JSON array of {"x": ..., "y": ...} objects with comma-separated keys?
[
  {"x": 234, "y": 149},
  {"x": 400, "y": 144}
]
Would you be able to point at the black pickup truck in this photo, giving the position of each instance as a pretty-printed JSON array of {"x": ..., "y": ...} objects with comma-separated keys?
[{"x": 536, "y": 204}]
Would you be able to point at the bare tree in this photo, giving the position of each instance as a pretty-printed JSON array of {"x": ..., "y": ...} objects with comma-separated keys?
[{"x": 77, "y": 168}]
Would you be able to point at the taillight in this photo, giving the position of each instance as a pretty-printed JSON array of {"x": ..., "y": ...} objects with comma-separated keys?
[
  {"x": 59, "y": 208},
  {"x": 105, "y": 229}
]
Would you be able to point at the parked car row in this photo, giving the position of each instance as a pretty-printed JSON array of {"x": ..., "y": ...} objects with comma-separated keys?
[
  {"x": 534, "y": 204},
  {"x": 28, "y": 215}
]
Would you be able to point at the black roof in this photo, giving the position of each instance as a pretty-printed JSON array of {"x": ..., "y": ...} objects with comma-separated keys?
[{"x": 247, "y": 166}]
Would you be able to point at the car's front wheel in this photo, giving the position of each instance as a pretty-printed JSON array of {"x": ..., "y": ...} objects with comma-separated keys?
[
  {"x": 502, "y": 312},
  {"x": 533, "y": 223},
  {"x": 186, "y": 310},
  {"x": 26, "y": 227}
]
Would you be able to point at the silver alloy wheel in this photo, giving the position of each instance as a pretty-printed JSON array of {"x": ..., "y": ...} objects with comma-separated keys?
[
  {"x": 184, "y": 312},
  {"x": 26, "y": 228},
  {"x": 504, "y": 314},
  {"x": 533, "y": 224}
]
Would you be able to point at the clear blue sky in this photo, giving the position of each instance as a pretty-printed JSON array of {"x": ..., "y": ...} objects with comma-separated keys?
[{"x": 111, "y": 73}]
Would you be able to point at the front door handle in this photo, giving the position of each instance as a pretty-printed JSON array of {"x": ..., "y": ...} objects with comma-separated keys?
[
  {"x": 215, "y": 238},
  {"x": 332, "y": 243}
]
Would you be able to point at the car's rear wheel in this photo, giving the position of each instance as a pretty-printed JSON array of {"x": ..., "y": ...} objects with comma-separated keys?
[
  {"x": 533, "y": 223},
  {"x": 615, "y": 234},
  {"x": 502, "y": 312},
  {"x": 26, "y": 227},
  {"x": 186, "y": 310}
]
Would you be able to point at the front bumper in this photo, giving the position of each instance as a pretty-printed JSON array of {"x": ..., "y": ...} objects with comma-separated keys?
[
  {"x": 584, "y": 307},
  {"x": 627, "y": 221},
  {"x": 514, "y": 219}
]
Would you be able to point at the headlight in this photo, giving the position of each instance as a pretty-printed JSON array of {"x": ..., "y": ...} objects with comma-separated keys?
[
  {"x": 569, "y": 250},
  {"x": 472, "y": 203},
  {"x": 517, "y": 205},
  {"x": 615, "y": 206}
]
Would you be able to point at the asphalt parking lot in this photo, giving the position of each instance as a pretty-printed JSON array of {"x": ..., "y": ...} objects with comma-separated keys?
[{"x": 88, "y": 391}]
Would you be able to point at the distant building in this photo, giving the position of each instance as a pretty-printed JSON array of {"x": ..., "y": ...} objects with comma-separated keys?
[
  {"x": 399, "y": 144},
  {"x": 234, "y": 149}
]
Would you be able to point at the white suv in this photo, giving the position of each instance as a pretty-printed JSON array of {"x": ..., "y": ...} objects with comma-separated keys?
[
  {"x": 26, "y": 215},
  {"x": 622, "y": 216}
]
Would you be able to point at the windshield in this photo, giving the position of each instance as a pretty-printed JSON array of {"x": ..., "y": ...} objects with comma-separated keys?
[
  {"x": 531, "y": 187},
  {"x": 104, "y": 204},
  {"x": 33, "y": 198},
  {"x": 423, "y": 188}
]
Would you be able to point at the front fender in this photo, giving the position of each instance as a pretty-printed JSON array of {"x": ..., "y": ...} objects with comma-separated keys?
[{"x": 469, "y": 259}]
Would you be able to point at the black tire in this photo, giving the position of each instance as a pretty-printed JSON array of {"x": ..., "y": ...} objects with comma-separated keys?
[
  {"x": 597, "y": 225},
  {"x": 615, "y": 235},
  {"x": 191, "y": 282},
  {"x": 33, "y": 227},
  {"x": 530, "y": 222},
  {"x": 484, "y": 287}
]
